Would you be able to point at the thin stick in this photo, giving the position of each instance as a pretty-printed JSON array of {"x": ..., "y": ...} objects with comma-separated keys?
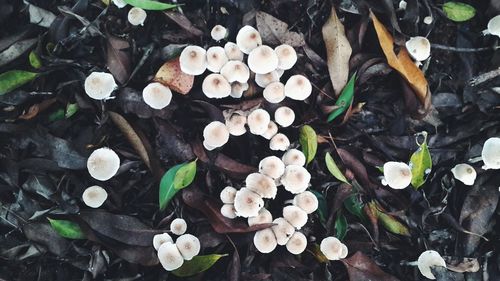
[{"x": 464, "y": 50}]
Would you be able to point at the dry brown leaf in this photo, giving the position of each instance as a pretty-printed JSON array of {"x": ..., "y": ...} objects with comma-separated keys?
[
  {"x": 338, "y": 51},
  {"x": 401, "y": 62},
  {"x": 361, "y": 267},
  {"x": 170, "y": 75},
  {"x": 275, "y": 32},
  {"x": 37, "y": 108},
  {"x": 118, "y": 60}
]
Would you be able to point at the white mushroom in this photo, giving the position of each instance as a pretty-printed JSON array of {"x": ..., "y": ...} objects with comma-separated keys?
[
  {"x": 156, "y": 95},
  {"x": 274, "y": 92},
  {"x": 235, "y": 71},
  {"x": 279, "y": 142},
  {"x": 258, "y": 120},
  {"x": 419, "y": 48},
  {"x": 215, "y": 135},
  {"x": 297, "y": 243},
  {"x": 307, "y": 201},
  {"x": 216, "y": 86},
  {"x": 99, "y": 85},
  {"x": 284, "y": 116},
  {"x": 295, "y": 216},
  {"x": 287, "y": 57},
  {"x": 159, "y": 239},
  {"x": 103, "y": 164},
  {"x": 94, "y": 196},
  {"x": 494, "y": 26},
  {"x": 264, "y": 216},
  {"x": 428, "y": 259},
  {"x": 295, "y": 179},
  {"x": 237, "y": 89},
  {"x": 332, "y": 248},
  {"x": 294, "y": 157},
  {"x": 228, "y": 211},
  {"x": 272, "y": 130},
  {"x": 248, "y": 38},
  {"x": 464, "y": 173},
  {"x": 233, "y": 52},
  {"x": 265, "y": 241},
  {"x": 218, "y": 32},
  {"x": 272, "y": 166},
  {"x": 178, "y": 226},
  {"x": 247, "y": 203},
  {"x": 262, "y": 60},
  {"x": 428, "y": 20},
  {"x": 283, "y": 230},
  {"x": 402, "y": 5},
  {"x": 188, "y": 245},
  {"x": 216, "y": 58},
  {"x": 236, "y": 124},
  {"x": 136, "y": 16},
  {"x": 169, "y": 256},
  {"x": 298, "y": 87},
  {"x": 491, "y": 153},
  {"x": 263, "y": 80},
  {"x": 280, "y": 72},
  {"x": 261, "y": 184},
  {"x": 119, "y": 3},
  {"x": 193, "y": 60},
  {"x": 397, "y": 175}
]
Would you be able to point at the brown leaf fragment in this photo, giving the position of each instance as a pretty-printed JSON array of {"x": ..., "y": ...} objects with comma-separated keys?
[
  {"x": 338, "y": 51},
  {"x": 184, "y": 23},
  {"x": 274, "y": 31},
  {"x": 37, "y": 108},
  {"x": 170, "y": 75},
  {"x": 361, "y": 267},
  {"x": 118, "y": 60}
]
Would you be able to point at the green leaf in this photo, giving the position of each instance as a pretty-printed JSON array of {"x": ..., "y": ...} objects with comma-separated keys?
[
  {"x": 175, "y": 179},
  {"x": 420, "y": 163},
  {"x": 71, "y": 109},
  {"x": 355, "y": 206},
  {"x": 56, "y": 115},
  {"x": 344, "y": 100},
  {"x": 322, "y": 207},
  {"x": 67, "y": 229},
  {"x": 35, "y": 60},
  {"x": 197, "y": 264},
  {"x": 340, "y": 226},
  {"x": 13, "y": 79},
  {"x": 389, "y": 222},
  {"x": 150, "y": 5},
  {"x": 458, "y": 11},
  {"x": 334, "y": 169},
  {"x": 309, "y": 142}
]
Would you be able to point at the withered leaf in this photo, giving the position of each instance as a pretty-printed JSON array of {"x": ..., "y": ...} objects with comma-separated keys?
[
  {"x": 361, "y": 267},
  {"x": 118, "y": 60},
  {"x": 170, "y": 75},
  {"x": 275, "y": 31}
]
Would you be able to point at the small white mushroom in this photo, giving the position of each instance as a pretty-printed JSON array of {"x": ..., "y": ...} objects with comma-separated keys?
[
  {"x": 419, "y": 48},
  {"x": 265, "y": 241},
  {"x": 215, "y": 135},
  {"x": 263, "y": 80},
  {"x": 216, "y": 58},
  {"x": 233, "y": 52},
  {"x": 258, "y": 120},
  {"x": 283, "y": 230},
  {"x": 188, "y": 245},
  {"x": 103, "y": 164},
  {"x": 491, "y": 153},
  {"x": 295, "y": 179},
  {"x": 428, "y": 20},
  {"x": 428, "y": 259},
  {"x": 274, "y": 92},
  {"x": 272, "y": 130},
  {"x": 178, "y": 226},
  {"x": 279, "y": 142},
  {"x": 169, "y": 256},
  {"x": 307, "y": 201},
  {"x": 297, "y": 243},
  {"x": 218, "y": 32},
  {"x": 156, "y": 95},
  {"x": 216, "y": 86},
  {"x": 248, "y": 38},
  {"x": 247, "y": 203},
  {"x": 280, "y": 72},
  {"x": 94, "y": 196},
  {"x": 402, "y": 5},
  {"x": 298, "y": 87},
  {"x": 228, "y": 211},
  {"x": 235, "y": 71},
  {"x": 397, "y": 175},
  {"x": 295, "y": 216},
  {"x": 284, "y": 116},
  {"x": 272, "y": 166},
  {"x": 332, "y": 248},
  {"x": 236, "y": 124},
  {"x": 464, "y": 173},
  {"x": 494, "y": 26},
  {"x": 294, "y": 157},
  {"x": 99, "y": 85},
  {"x": 159, "y": 239},
  {"x": 193, "y": 60},
  {"x": 261, "y": 184},
  {"x": 136, "y": 16},
  {"x": 119, "y": 3},
  {"x": 287, "y": 57},
  {"x": 264, "y": 216},
  {"x": 237, "y": 89},
  {"x": 262, "y": 60}
]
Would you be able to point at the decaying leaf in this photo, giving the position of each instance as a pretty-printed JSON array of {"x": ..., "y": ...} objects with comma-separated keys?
[
  {"x": 361, "y": 267},
  {"x": 275, "y": 31},
  {"x": 388, "y": 221},
  {"x": 197, "y": 264},
  {"x": 118, "y": 60},
  {"x": 170, "y": 75}
]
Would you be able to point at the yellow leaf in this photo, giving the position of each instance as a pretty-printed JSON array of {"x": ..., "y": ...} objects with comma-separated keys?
[{"x": 170, "y": 75}]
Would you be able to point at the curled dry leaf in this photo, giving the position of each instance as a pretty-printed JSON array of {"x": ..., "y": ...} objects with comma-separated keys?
[
  {"x": 361, "y": 267},
  {"x": 338, "y": 51},
  {"x": 118, "y": 60},
  {"x": 37, "y": 108},
  {"x": 170, "y": 75},
  {"x": 275, "y": 32}
]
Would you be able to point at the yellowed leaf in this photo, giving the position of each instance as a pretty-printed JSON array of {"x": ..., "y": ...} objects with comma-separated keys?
[
  {"x": 338, "y": 51},
  {"x": 401, "y": 62},
  {"x": 274, "y": 31},
  {"x": 170, "y": 75}
]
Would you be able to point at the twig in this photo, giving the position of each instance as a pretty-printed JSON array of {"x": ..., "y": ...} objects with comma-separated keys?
[
  {"x": 464, "y": 50},
  {"x": 481, "y": 78}
]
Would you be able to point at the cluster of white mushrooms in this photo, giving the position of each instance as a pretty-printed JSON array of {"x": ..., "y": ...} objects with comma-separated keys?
[{"x": 172, "y": 255}]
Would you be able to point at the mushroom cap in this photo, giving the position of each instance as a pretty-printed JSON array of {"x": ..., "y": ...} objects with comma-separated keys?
[
  {"x": 262, "y": 60},
  {"x": 397, "y": 175},
  {"x": 272, "y": 130},
  {"x": 178, "y": 226},
  {"x": 307, "y": 201},
  {"x": 119, "y": 3},
  {"x": 193, "y": 60},
  {"x": 248, "y": 38},
  {"x": 428, "y": 259},
  {"x": 419, "y": 48},
  {"x": 297, "y": 243},
  {"x": 156, "y": 95},
  {"x": 215, "y": 134},
  {"x": 287, "y": 57},
  {"x": 236, "y": 124},
  {"x": 265, "y": 241},
  {"x": 464, "y": 173},
  {"x": 216, "y": 86},
  {"x": 279, "y": 142},
  {"x": 228, "y": 211},
  {"x": 235, "y": 71},
  {"x": 237, "y": 89},
  {"x": 99, "y": 85},
  {"x": 298, "y": 87},
  {"x": 274, "y": 92},
  {"x": 208, "y": 146},
  {"x": 233, "y": 52},
  {"x": 272, "y": 166},
  {"x": 295, "y": 216},
  {"x": 94, "y": 196},
  {"x": 218, "y": 32},
  {"x": 295, "y": 179},
  {"x": 159, "y": 239},
  {"x": 284, "y": 116},
  {"x": 136, "y": 16},
  {"x": 263, "y": 80},
  {"x": 283, "y": 230},
  {"x": 261, "y": 184},
  {"x": 216, "y": 58},
  {"x": 294, "y": 157},
  {"x": 227, "y": 195},
  {"x": 491, "y": 153},
  {"x": 332, "y": 248},
  {"x": 188, "y": 245},
  {"x": 169, "y": 256},
  {"x": 247, "y": 203},
  {"x": 344, "y": 252},
  {"x": 494, "y": 26},
  {"x": 103, "y": 164},
  {"x": 428, "y": 20},
  {"x": 264, "y": 216},
  {"x": 258, "y": 120}
]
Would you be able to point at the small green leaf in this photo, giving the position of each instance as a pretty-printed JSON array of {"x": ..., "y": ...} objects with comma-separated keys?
[
  {"x": 389, "y": 222},
  {"x": 420, "y": 163},
  {"x": 67, "y": 229},
  {"x": 175, "y": 179},
  {"x": 309, "y": 142},
  {"x": 35, "y": 60},
  {"x": 322, "y": 207},
  {"x": 458, "y": 11},
  {"x": 340, "y": 226},
  {"x": 56, "y": 115},
  {"x": 150, "y": 5},
  {"x": 344, "y": 100},
  {"x": 71, "y": 109},
  {"x": 197, "y": 264},
  {"x": 334, "y": 169},
  {"x": 13, "y": 79}
]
